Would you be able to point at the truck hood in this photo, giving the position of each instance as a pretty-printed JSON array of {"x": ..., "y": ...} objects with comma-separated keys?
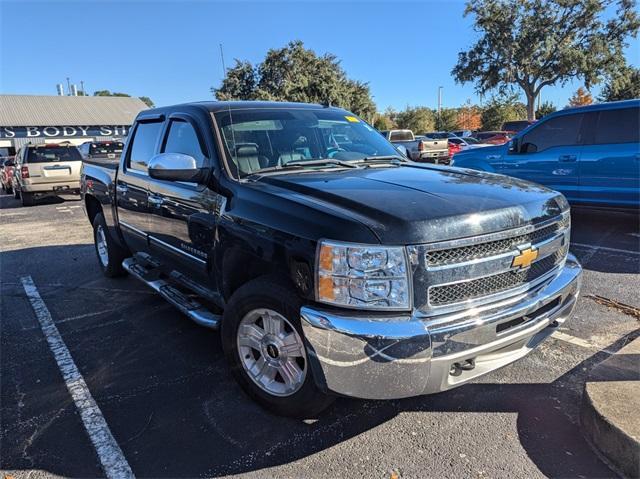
[{"x": 412, "y": 204}]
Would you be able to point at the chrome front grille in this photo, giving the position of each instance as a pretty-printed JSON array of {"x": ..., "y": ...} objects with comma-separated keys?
[
  {"x": 491, "y": 248},
  {"x": 469, "y": 290},
  {"x": 462, "y": 273}
]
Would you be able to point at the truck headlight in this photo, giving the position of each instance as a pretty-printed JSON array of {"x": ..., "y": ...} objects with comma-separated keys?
[{"x": 362, "y": 276}]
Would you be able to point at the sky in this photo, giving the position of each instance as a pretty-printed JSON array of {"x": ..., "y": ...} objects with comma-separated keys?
[{"x": 169, "y": 50}]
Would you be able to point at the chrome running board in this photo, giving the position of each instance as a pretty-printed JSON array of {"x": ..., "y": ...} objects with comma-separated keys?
[{"x": 188, "y": 306}]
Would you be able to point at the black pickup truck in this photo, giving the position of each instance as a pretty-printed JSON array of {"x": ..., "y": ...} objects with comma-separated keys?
[{"x": 331, "y": 267}]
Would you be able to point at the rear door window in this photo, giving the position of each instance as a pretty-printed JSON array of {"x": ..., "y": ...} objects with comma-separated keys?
[
  {"x": 617, "y": 126},
  {"x": 52, "y": 153},
  {"x": 182, "y": 138},
  {"x": 560, "y": 131},
  {"x": 143, "y": 146}
]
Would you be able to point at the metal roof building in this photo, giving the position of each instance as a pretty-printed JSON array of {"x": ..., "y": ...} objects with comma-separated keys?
[{"x": 45, "y": 119}]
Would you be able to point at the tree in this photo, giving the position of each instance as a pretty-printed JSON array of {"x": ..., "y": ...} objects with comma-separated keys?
[
  {"x": 501, "y": 109},
  {"x": 109, "y": 93},
  {"x": 383, "y": 122},
  {"x": 418, "y": 119},
  {"x": 581, "y": 98},
  {"x": 545, "y": 109},
  {"x": 448, "y": 119},
  {"x": 469, "y": 117},
  {"x": 240, "y": 83},
  {"x": 294, "y": 73},
  {"x": 531, "y": 44},
  {"x": 624, "y": 84},
  {"x": 145, "y": 99}
]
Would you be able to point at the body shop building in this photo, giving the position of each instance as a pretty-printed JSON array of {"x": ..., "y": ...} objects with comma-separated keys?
[{"x": 52, "y": 119}]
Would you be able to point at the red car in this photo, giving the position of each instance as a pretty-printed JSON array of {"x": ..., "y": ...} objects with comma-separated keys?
[
  {"x": 6, "y": 174},
  {"x": 493, "y": 137}
]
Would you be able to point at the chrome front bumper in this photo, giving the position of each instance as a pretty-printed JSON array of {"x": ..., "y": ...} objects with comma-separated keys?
[{"x": 374, "y": 357}]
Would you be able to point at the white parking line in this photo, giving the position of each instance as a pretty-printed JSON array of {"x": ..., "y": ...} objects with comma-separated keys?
[
  {"x": 113, "y": 462},
  {"x": 603, "y": 248}
]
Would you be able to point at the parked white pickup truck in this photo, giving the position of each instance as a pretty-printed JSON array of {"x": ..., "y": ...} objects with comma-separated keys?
[{"x": 421, "y": 149}]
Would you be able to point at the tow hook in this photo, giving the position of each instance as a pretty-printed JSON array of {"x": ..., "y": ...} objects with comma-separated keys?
[{"x": 466, "y": 365}]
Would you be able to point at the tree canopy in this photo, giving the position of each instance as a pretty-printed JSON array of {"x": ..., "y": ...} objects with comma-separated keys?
[
  {"x": 145, "y": 99},
  {"x": 501, "y": 109},
  {"x": 530, "y": 44},
  {"x": 581, "y": 98},
  {"x": 419, "y": 119},
  {"x": 545, "y": 109},
  {"x": 295, "y": 73},
  {"x": 623, "y": 84}
]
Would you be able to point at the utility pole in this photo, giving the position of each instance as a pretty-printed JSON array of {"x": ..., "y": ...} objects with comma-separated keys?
[
  {"x": 439, "y": 107},
  {"x": 82, "y": 88},
  {"x": 68, "y": 86}
]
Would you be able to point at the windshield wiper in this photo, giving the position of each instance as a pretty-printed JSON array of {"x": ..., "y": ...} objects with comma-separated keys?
[{"x": 301, "y": 164}]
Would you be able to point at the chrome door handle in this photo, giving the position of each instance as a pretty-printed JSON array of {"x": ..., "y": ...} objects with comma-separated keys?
[
  {"x": 122, "y": 189},
  {"x": 567, "y": 158},
  {"x": 156, "y": 200}
]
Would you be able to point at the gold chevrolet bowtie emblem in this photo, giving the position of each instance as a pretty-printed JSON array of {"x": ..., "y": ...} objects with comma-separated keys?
[{"x": 525, "y": 258}]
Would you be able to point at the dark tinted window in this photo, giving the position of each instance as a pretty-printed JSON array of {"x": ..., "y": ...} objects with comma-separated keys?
[
  {"x": 7, "y": 151},
  {"x": 143, "y": 145},
  {"x": 560, "y": 131},
  {"x": 401, "y": 135},
  {"x": 618, "y": 126},
  {"x": 182, "y": 138},
  {"x": 103, "y": 149},
  {"x": 517, "y": 125},
  {"x": 50, "y": 153}
]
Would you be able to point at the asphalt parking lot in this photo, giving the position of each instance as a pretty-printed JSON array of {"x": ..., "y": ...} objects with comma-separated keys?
[{"x": 164, "y": 391}]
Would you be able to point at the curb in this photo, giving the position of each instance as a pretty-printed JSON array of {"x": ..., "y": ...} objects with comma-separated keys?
[{"x": 609, "y": 411}]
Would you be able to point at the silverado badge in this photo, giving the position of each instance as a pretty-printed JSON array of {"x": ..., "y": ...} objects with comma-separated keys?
[{"x": 525, "y": 258}]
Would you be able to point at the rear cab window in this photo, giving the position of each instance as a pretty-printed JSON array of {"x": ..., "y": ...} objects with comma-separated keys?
[
  {"x": 401, "y": 136},
  {"x": 52, "y": 153}
]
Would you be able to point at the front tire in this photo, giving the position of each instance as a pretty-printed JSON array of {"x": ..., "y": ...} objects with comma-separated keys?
[
  {"x": 110, "y": 254},
  {"x": 263, "y": 342}
]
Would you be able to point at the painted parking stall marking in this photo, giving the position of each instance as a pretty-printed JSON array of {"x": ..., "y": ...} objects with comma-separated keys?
[{"x": 111, "y": 458}]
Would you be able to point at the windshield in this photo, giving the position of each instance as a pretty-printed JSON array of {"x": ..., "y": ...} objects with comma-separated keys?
[
  {"x": 100, "y": 149},
  {"x": 266, "y": 138},
  {"x": 53, "y": 153}
]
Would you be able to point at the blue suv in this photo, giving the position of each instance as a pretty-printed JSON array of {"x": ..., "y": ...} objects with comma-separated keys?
[{"x": 590, "y": 154}]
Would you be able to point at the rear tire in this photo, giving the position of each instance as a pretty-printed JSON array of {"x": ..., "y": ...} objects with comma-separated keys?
[
  {"x": 294, "y": 392},
  {"x": 27, "y": 199},
  {"x": 110, "y": 254}
]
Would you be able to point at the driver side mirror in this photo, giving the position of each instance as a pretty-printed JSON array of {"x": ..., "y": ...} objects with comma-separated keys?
[
  {"x": 176, "y": 167},
  {"x": 513, "y": 146}
]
